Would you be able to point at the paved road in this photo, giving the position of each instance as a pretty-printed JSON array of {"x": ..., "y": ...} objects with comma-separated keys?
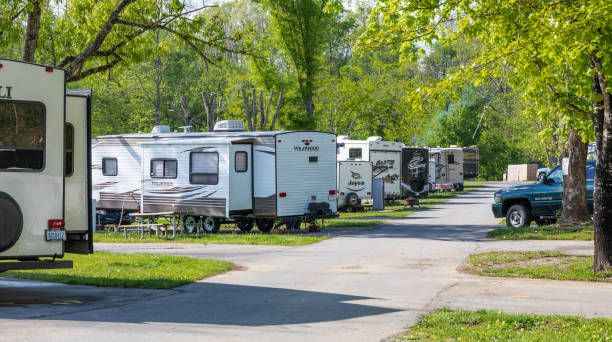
[{"x": 367, "y": 284}]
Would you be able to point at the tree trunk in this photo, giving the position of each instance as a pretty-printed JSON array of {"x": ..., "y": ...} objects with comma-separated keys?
[
  {"x": 254, "y": 112},
  {"x": 209, "y": 105},
  {"x": 30, "y": 39},
  {"x": 575, "y": 210},
  {"x": 278, "y": 105},
  {"x": 602, "y": 195},
  {"x": 247, "y": 110}
]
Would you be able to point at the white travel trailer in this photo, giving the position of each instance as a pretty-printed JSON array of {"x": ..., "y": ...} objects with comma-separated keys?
[
  {"x": 293, "y": 175},
  {"x": 385, "y": 157},
  {"x": 354, "y": 185},
  {"x": 45, "y": 206},
  {"x": 449, "y": 167}
]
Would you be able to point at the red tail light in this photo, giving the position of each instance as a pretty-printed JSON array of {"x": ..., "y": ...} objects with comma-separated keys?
[
  {"x": 402, "y": 179},
  {"x": 49, "y": 69},
  {"x": 342, "y": 194},
  {"x": 56, "y": 224},
  {"x": 332, "y": 192},
  {"x": 282, "y": 194},
  {"x": 369, "y": 193}
]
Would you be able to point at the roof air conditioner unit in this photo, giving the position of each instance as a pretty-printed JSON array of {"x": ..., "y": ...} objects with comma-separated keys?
[
  {"x": 229, "y": 126},
  {"x": 343, "y": 137},
  {"x": 375, "y": 138},
  {"x": 161, "y": 129}
]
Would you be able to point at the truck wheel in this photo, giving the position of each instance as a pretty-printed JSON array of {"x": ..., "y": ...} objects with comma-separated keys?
[
  {"x": 352, "y": 199},
  {"x": 264, "y": 225},
  {"x": 211, "y": 225},
  {"x": 245, "y": 225},
  {"x": 518, "y": 216}
]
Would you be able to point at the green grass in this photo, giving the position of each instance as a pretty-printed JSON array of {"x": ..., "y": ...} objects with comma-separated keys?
[
  {"x": 485, "y": 325},
  {"x": 536, "y": 265},
  {"x": 377, "y": 213},
  {"x": 551, "y": 232},
  {"x": 149, "y": 271},
  {"x": 230, "y": 239}
]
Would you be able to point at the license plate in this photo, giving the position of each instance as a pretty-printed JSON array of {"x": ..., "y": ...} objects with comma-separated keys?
[{"x": 55, "y": 235}]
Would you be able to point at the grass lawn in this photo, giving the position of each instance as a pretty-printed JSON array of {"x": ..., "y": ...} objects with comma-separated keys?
[
  {"x": 377, "y": 213},
  {"x": 536, "y": 265},
  {"x": 551, "y": 232},
  {"x": 230, "y": 239},
  {"x": 485, "y": 325},
  {"x": 148, "y": 271}
]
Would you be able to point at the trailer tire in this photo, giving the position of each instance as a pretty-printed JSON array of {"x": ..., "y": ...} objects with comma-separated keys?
[
  {"x": 11, "y": 222},
  {"x": 264, "y": 225},
  {"x": 352, "y": 199},
  {"x": 245, "y": 225},
  {"x": 211, "y": 225},
  {"x": 190, "y": 224}
]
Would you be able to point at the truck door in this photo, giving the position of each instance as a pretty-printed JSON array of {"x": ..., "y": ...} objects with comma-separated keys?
[
  {"x": 241, "y": 177},
  {"x": 548, "y": 196},
  {"x": 78, "y": 208}
]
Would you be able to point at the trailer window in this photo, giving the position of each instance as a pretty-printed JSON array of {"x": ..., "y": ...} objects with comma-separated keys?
[
  {"x": 22, "y": 136},
  {"x": 69, "y": 149},
  {"x": 163, "y": 168},
  {"x": 109, "y": 166},
  {"x": 204, "y": 168},
  {"x": 241, "y": 161},
  {"x": 451, "y": 158},
  {"x": 355, "y": 153}
]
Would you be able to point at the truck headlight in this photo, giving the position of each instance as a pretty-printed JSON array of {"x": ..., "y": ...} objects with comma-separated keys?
[{"x": 497, "y": 199}]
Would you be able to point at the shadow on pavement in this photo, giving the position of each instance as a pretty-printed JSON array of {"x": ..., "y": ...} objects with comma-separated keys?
[{"x": 197, "y": 303}]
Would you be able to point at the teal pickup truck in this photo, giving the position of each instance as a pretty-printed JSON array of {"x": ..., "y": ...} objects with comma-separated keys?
[{"x": 540, "y": 202}]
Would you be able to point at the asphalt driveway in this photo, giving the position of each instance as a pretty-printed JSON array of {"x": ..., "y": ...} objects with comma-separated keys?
[{"x": 366, "y": 284}]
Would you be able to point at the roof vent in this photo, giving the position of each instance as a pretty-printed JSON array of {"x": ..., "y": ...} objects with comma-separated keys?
[
  {"x": 161, "y": 129},
  {"x": 375, "y": 138},
  {"x": 229, "y": 126},
  {"x": 343, "y": 137}
]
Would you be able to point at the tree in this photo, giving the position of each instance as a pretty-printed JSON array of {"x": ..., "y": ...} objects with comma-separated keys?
[
  {"x": 88, "y": 37},
  {"x": 561, "y": 47},
  {"x": 301, "y": 27}
]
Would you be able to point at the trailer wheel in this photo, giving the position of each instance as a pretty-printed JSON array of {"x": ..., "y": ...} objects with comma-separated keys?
[
  {"x": 264, "y": 225},
  {"x": 245, "y": 225},
  {"x": 352, "y": 199},
  {"x": 211, "y": 225},
  {"x": 190, "y": 224}
]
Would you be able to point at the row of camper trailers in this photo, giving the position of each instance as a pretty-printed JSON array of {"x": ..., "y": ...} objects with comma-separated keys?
[{"x": 51, "y": 169}]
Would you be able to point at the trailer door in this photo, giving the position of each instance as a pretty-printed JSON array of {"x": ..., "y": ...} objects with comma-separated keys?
[
  {"x": 241, "y": 178},
  {"x": 78, "y": 211}
]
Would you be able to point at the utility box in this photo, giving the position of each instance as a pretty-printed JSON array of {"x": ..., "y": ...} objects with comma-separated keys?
[
  {"x": 378, "y": 194},
  {"x": 522, "y": 172}
]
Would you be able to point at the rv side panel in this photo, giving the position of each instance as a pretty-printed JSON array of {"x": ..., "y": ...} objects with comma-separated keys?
[
  {"x": 414, "y": 172},
  {"x": 305, "y": 171},
  {"x": 182, "y": 190},
  {"x": 115, "y": 168}
]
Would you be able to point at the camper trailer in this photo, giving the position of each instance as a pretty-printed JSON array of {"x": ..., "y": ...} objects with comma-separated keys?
[
  {"x": 385, "y": 157},
  {"x": 354, "y": 185},
  {"x": 415, "y": 172},
  {"x": 45, "y": 206},
  {"x": 292, "y": 175},
  {"x": 470, "y": 162},
  {"x": 449, "y": 167}
]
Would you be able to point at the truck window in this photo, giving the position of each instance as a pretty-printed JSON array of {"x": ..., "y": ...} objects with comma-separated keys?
[
  {"x": 69, "y": 149},
  {"x": 163, "y": 168},
  {"x": 22, "y": 136},
  {"x": 109, "y": 166},
  {"x": 451, "y": 158},
  {"x": 556, "y": 175},
  {"x": 241, "y": 162},
  {"x": 355, "y": 153},
  {"x": 204, "y": 168}
]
